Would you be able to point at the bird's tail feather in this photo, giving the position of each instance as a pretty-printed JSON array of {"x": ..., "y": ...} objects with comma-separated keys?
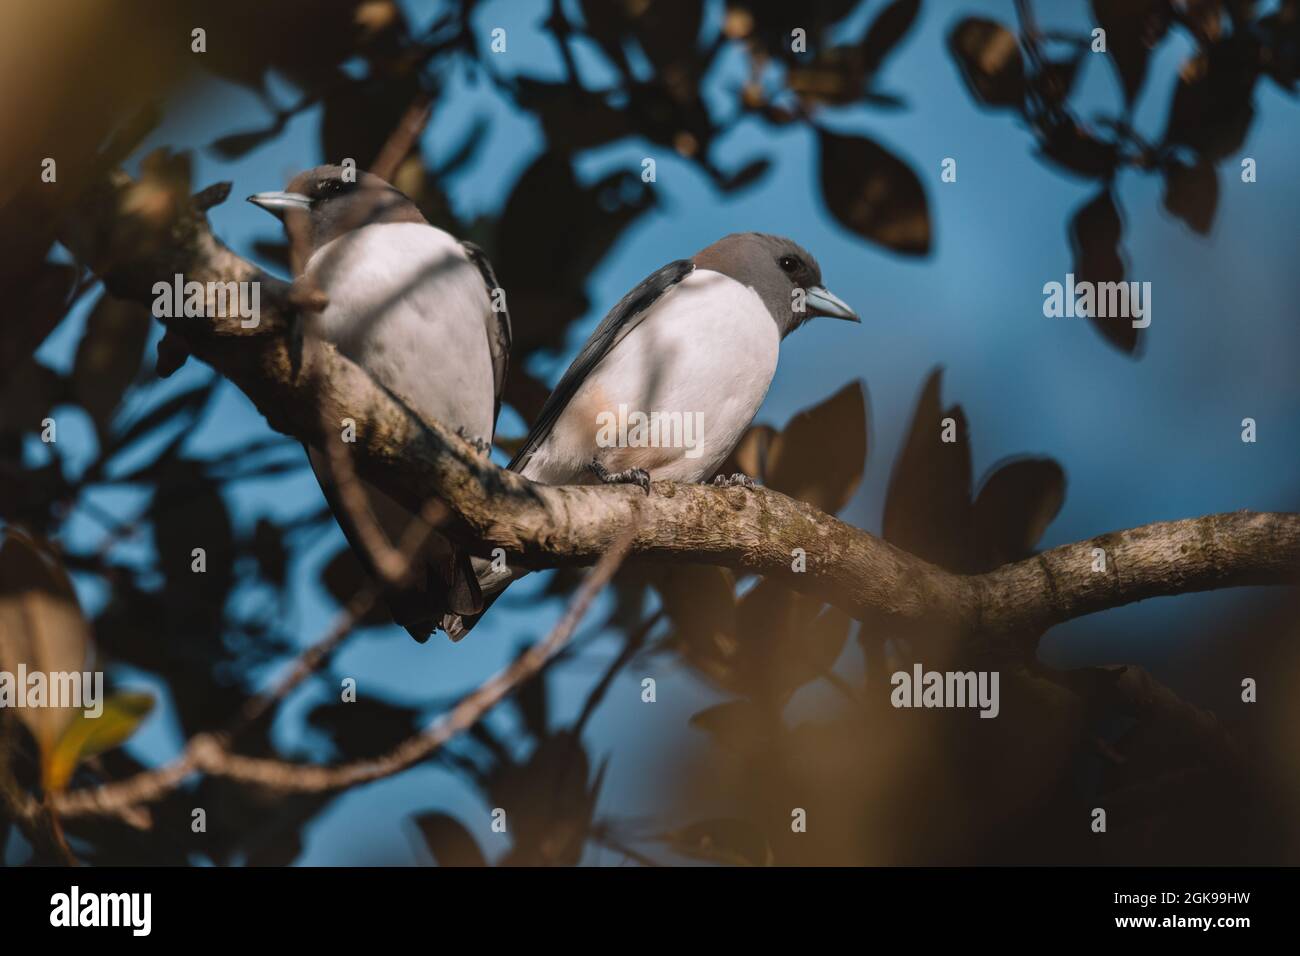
[
  {"x": 491, "y": 583},
  {"x": 444, "y": 579}
]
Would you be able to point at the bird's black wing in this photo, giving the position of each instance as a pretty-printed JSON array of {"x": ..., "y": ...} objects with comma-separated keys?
[
  {"x": 499, "y": 334},
  {"x": 621, "y": 319}
]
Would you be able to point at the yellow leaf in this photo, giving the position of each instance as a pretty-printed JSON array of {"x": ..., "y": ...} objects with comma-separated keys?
[{"x": 86, "y": 736}]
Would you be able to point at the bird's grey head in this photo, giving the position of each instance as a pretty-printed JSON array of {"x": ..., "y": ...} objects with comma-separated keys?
[
  {"x": 783, "y": 273},
  {"x": 324, "y": 203}
]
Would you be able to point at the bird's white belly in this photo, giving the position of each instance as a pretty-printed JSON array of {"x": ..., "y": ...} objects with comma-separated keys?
[
  {"x": 697, "y": 367},
  {"x": 407, "y": 305}
]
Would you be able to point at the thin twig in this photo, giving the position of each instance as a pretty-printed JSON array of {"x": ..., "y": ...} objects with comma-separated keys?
[{"x": 209, "y": 753}]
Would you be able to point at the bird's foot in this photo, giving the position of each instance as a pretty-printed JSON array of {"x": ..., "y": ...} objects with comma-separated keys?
[
  {"x": 480, "y": 446},
  {"x": 632, "y": 476},
  {"x": 737, "y": 480}
]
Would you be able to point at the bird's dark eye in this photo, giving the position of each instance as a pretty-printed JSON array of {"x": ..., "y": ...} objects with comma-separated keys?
[
  {"x": 329, "y": 187},
  {"x": 789, "y": 263}
]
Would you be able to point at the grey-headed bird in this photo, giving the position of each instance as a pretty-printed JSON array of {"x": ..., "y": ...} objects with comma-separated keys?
[
  {"x": 673, "y": 375},
  {"x": 414, "y": 307}
]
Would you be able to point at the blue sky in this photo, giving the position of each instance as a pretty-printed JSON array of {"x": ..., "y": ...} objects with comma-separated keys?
[{"x": 1140, "y": 441}]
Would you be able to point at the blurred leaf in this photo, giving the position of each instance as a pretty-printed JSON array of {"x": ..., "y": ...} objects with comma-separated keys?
[
  {"x": 988, "y": 55},
  {"x": 41, "y": 627},
  {"x": 1212, "y": 108},
  {"x": 820, "y": 455},
  {"x": 39, "y": 305},
  {"x": 784, "y": 641},
  {"x": 185, "y": 404},
  {"x": 364, "y": 726},
  {"x": 747, "y": 175},
  {"x": 468, "y": 148},
  {"x": 1014, "y": 507},
  {"x": 1192, "y": 194},
  {"x": 699, "y": 600},
  {"x": 1132, "y": 28},
  {"x": 187, "y": 512},
  {"x": 1056, "y": 79},
  {"x": 274, "y": 251},
  {"x": 548, "y": 280},
  {"x": 28, "y": 395},
  {"x": 927, "y": 508},
  {"x": 448, "y": 840},
  {"x": 108, "y": 357},
  {"x": 722, "y": 840},
  {"x": 270, "y": 551},
  {"x": 1095, "y": 234},
  {"x": 1071, "y": 146},
  {"x": 873, "y": 193},
  {"x": 738, "y": 725},
  {"x": 343, "y": 577},
  {"x": 532, "y": 700},
  {"x": 87, "y": 736},
  {"x": 551, "y": 801},
  {"x": 358, "y": 118},
  {"x": 235, "y": 145},
  {"x": 889, "y": 27}
]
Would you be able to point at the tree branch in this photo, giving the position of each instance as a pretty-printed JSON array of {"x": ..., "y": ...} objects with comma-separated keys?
[{"x": 299, "y": 382}]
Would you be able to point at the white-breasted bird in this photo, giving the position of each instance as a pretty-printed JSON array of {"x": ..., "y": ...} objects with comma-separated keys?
[
  {"x": 695, "y": 342},
  {"x": 414, "y": 307}
]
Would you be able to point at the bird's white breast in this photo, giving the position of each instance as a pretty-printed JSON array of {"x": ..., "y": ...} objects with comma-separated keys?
[
  {"x": 707, "y": 349},
  {"x": 408, "y": 306}
]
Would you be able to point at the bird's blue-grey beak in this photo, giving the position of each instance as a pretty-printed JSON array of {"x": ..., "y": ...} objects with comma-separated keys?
[
  {"x": 278, "y": 203},
  {"x": 820, "y": 300}
]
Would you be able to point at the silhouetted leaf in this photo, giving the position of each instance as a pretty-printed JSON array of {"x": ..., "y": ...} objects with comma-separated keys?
[
  {"x": 365, "y": 726},
  {"x": 890, "y": 26},
  {"x": 188, "y": 512},
  {"x": 185, "y": 404},
  {"x": 1076, "y": 149},
  {"x": 737, "y": 725},
  {"x": 343, "y": 577},
  {"x": 109, "y": 356},
  {"x": 1192, "y": 194},
  {"x": 1095, "y": 234},
  {"x": 820, "y": 455},
  {"x": 747, "y": 175},
  {"x": 722, "y": 840},
  {"x": 38, "y": 306},
  {"x": 274, "y": 251},
  {"x": 448, "y": 840},
  {"x": 1014, "y": 507},
  {"x": 988, "y": 55},
  {"x": 1133, "y": 27},
  {"x": 700, "y": 602},
  {"x": 532, "y": 701},
  {"x": 1212, "y": 106},
  {"x": 874, "y": 193},
  {"x": 235, "y": 145},
  {"x": 1056, "y": 79},
  {"x": 269, "y": 550},
  {"x": 784, "y": 640},
  {"x": 28, "y": 395},
  {"x": 927, "y": 508}
]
